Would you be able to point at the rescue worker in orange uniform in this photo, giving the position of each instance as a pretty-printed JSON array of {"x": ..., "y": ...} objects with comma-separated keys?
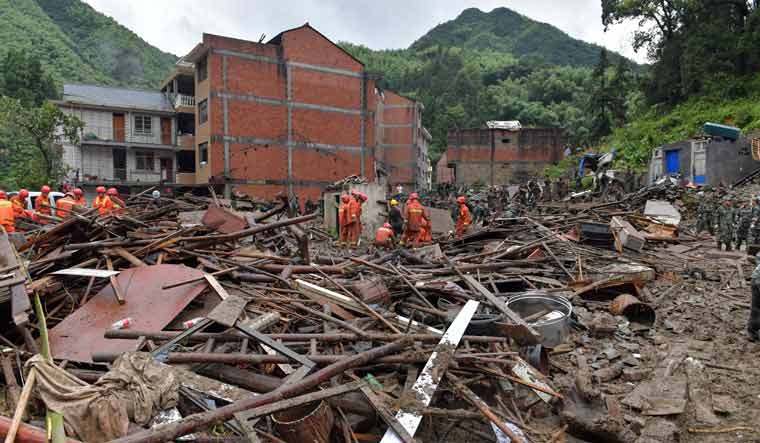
[
  {"x": 63, "y": 205},
  {"x": 415, "y": 216},
  {"x": 344, "y": 220},
  {"x": 79, "y": 198},
  {"x": 102, "y": 202},
  {"x": 355, "y": 214},
  {"x": 19, "y": 203},
  {"x": 360, "y": 199},
  {"x": 42, "y": 204},
  {"x": 384, "y": 237},
  {"x": 119, "y": 207},
  {"x": 426, "y": 231},
  {"x": 464, "y": 220},
  {"x": 7, "y": 218}
]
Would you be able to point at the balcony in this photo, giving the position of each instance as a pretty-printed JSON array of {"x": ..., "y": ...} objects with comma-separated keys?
[
  {"x": 107, "y": 176},
  {"x": 186, "y": 141},
  {"x": 95, "y": 135},
  {"x": 184, "y": 101}
]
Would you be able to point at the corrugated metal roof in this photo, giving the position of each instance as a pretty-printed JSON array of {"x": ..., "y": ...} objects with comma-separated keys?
[
  {"x": 509, "y": 125},
  {"x": 107, "y": 96}
]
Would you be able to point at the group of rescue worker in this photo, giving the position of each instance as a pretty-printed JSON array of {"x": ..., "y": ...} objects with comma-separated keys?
[
  {"x": 410, "y": 227},
  {"x": 106, "y": 202}
]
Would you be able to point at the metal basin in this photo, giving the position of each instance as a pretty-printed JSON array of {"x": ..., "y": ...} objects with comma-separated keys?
[{"x": 554, "y": 326}]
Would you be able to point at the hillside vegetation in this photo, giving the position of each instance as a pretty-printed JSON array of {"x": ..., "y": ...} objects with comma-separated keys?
[
  {"x": 506, "y": 31},
  {"x": 76, "y": 43}
]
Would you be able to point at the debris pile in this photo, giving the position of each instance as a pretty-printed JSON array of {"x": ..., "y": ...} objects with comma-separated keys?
[{"x": 187, "y": 320}]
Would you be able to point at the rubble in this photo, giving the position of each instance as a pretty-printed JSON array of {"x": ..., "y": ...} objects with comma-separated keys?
[{"x": 558, "y": 322}]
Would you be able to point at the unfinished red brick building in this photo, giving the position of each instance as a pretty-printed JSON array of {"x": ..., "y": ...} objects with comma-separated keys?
[
  {"x": 294, "y": 114},
  {"x": 402, "y": 147},
  {"x": 494, "y": 156}
]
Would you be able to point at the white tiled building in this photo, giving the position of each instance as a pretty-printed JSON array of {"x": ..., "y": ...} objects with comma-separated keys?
[{"x": 131, "y": 137}]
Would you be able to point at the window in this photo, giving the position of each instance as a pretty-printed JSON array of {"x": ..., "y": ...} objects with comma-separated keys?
[
  {"x": 186, "y": 161},
  {"x": 203, "y": 111},
  {"x": 144, "y": 161},
  {"x": 203, "y": 151},
  {"x": 143, "y": 125},
  {"x": 506, "y": 140},
  {"x": 202, "y": 68}
]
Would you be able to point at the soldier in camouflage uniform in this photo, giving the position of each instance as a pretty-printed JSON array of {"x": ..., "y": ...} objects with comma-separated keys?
[
  {"x": 754, "y": 227},
  {"x": 726, "y": 224},
  {"x": 704, "y": 214},
  {"x": 743, "y": 222}
]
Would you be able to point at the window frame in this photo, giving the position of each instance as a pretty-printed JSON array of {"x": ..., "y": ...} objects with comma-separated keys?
[
  {"x": 202, "y": 111},
  {"x": 140, "y": 129},
  {"x": 144, "y": 155},
  {"x": 202, "y": 153}
]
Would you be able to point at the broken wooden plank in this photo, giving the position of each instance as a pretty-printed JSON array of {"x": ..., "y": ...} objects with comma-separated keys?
[
  {"x": 114, "y": 282},
  {"x": 431, "y": 375}
]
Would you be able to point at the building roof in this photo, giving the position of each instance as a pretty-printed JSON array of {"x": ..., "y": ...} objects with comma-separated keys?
[{"x": 112, "y": 97}]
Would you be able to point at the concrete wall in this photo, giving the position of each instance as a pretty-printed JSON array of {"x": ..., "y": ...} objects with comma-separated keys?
[
  {"x": 289, "y": 116},
  {"x": 99, "y": 123},
  {"x": 495, "y": 156},
  {"x": 373, "y": 213}
]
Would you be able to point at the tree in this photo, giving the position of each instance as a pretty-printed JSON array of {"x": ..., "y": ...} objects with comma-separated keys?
[
  {"x": 619, "y": 85},
  {"x": 23, "y": 78},
  {"x": 46, "y": 127},
  {"x": 601, "y": 117}
]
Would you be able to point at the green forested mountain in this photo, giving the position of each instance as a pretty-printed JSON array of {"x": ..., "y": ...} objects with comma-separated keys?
[
  {"x": 501, "y": 65},
  {"x": 76, "y": 43},
  {"x": 504, "y": 30}
]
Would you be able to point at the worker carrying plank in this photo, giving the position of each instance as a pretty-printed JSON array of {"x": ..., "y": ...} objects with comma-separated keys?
[
  {"x": 19, "y": 203},
  {"x": 7, "y": 217},
  {"x": 119, "y": 207},
  {"x": 384, "y": 237},
  {"x": 464, "y": 219},
  {"x": 63, "y": 205},
  {"x": 42, "y": 205},
  {"x": 102, "y": 202}
]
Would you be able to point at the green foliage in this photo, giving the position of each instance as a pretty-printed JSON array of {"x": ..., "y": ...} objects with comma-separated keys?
[
  {"x": 74, "y": 42},
  {"x": 44, "y": 127},
  {"x": 22, "y": 77},
  {"x": 652, "y": 129}
]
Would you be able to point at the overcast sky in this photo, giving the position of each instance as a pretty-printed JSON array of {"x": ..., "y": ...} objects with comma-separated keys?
[{"x": 176, "y": 25}]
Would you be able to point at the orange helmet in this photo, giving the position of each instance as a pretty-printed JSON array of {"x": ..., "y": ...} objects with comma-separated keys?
[
  {"x": 2, "y": 195},
  {"x": 78, "y": 191},
  {"x": 45, "y": 189},
  {"x": 387, "y": 225},
  {"x": 23, "y": 193},
  {"x": 113, "y": 191},
  {"x": 413, "y": 196},
  {"x": 345, "y": 198},
  {"x": 460, "y": 200},
  {"x": 100, "y": 190}
]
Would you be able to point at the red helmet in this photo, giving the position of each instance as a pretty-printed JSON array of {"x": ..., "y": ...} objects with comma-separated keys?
[
  {"x": 413, "y": 196},
  {"x": 460, "y": 200},
  {"x": 23, "y": 193},
  {"x": 345, "y": 198},
  {"x": 45, "y": 189},
  {"x": 78, "y": 191},
  {"x": 362, "y": 197},
  {"x": 113, "y": 191},
  {"x": 355, "y": 193},
  {"x": 100, "y": 190},
  {"x": 387, "y": 225},
  {"x": 2, "y": 195}
]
